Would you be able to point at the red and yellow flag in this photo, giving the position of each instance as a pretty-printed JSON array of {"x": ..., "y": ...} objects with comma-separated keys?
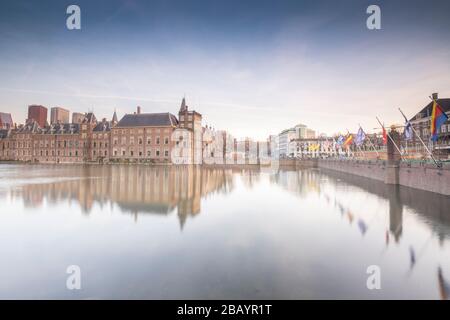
[{"x": 348, "y": 140}]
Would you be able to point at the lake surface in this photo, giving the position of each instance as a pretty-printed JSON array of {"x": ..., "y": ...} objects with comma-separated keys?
[{"x": 189, "y": 233}]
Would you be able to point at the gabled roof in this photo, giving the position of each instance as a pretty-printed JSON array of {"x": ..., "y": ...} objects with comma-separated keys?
[
  {"x": 426, "y": 111},
  {"x": 148, "y": 120},
  {"x": 89, "y": 118}
]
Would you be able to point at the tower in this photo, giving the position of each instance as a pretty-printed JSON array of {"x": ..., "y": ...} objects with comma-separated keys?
[{"x": 192, "y": 121}]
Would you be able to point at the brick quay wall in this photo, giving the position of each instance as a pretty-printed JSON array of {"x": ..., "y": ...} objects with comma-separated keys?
[{"x": 414, "y": 175}]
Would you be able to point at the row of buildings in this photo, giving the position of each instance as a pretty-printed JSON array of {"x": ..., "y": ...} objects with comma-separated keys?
[
  {"x": 299, "y": 141},
  {"x": 166, "y": 138},
  {"x": 137, "y": 137}
]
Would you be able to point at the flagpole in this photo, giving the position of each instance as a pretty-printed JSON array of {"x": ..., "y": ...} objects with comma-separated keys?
[
  {"x": 418, "y": 136},
  {"x": 368, "y": 138},
  {"x": 387, "y": 133}
]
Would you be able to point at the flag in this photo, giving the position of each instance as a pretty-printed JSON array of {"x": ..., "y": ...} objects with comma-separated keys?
[
  {"x": 340, "y": 140},
  {"x": 438, "y": 117},
  {"x": 360, "y": 137},
  {"x": 384, "y": 136},
  {"x": 314, "y": 147},
  {"x": 349, "y": 140},
  {"x": 408, "y": 131}
]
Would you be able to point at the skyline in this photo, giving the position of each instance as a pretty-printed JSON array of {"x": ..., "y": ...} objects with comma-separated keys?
[{"x": 251, "y": 68}]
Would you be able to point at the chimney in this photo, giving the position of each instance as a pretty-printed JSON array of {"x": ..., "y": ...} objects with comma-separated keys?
[
  {"x": 138, "y": 110},
  {"x": 434, "y": 95}
]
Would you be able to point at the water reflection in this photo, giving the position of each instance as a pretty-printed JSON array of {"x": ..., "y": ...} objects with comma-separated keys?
[
  {"x": 134, "y": 189},
  {"x": 289, "y": 234},
  {"x": 432, "y": 208}
]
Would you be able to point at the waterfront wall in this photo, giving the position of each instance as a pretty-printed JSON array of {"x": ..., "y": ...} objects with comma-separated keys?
[{"x": 414, "y": 175}]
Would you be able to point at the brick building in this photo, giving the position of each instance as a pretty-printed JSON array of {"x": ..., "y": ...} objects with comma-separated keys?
[
  {"x": 137, "y": 137},
  {"x": 143, "y": 137},
  {"x": 422, "y": 123}
]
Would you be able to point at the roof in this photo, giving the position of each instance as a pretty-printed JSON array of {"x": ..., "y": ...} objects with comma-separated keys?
[
  {"x": 148, "y": 120},
  {"x": 103, "y": 126},
  {"x": 89, "y": 118},
  {"x": 5, "y": 118},
  {"x": 64, "y": 128},
  {"x": 30, "y": 127},
  {"x": 426, "y": 111}
]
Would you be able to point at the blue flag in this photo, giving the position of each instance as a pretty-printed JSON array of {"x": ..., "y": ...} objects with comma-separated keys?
[
  {"x": 408, "y": 131},
  {"x": 360, "y": 137},
  {"x": 340, "y": 140}
]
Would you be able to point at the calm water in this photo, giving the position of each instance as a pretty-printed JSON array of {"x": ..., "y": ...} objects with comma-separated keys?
[{"x": 143, "y": 232}]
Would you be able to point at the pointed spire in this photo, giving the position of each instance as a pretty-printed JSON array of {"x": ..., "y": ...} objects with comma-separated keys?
[
  {"x": 114, "y": 118},
  {"x": 183, "y": 106}
]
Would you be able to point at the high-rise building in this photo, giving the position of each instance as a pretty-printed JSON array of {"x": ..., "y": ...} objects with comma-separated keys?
[
  {"x": 38, "y": 113},
  {"x": 5, "y": 121},
  {"x": 77, "y": 117},
  {"x": 59, "y": 115}
]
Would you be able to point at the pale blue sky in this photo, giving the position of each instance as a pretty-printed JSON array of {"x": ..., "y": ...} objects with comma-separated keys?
[{"x": 251, "y": 67}]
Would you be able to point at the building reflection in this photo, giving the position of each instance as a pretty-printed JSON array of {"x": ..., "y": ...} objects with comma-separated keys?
[
  {"x": 134, "y": 189},
  {"x": 431, "y": 208}
]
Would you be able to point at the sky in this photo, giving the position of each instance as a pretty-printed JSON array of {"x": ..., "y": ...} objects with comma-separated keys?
[{"x": 250, "y": 67}]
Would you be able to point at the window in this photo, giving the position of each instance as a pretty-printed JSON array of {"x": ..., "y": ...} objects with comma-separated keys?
[
  {"x": 149, "y": 153},
  {"x": 166, "y": 153},
  {"x": 157, "y": 153},
  {"x": 140, "y": 141},
  {"x": 131, "y": 153},
  {"x": 149, "y": 141},
  {"x": 157, "y": 140},
  {"x": 166, "y": 140}
]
